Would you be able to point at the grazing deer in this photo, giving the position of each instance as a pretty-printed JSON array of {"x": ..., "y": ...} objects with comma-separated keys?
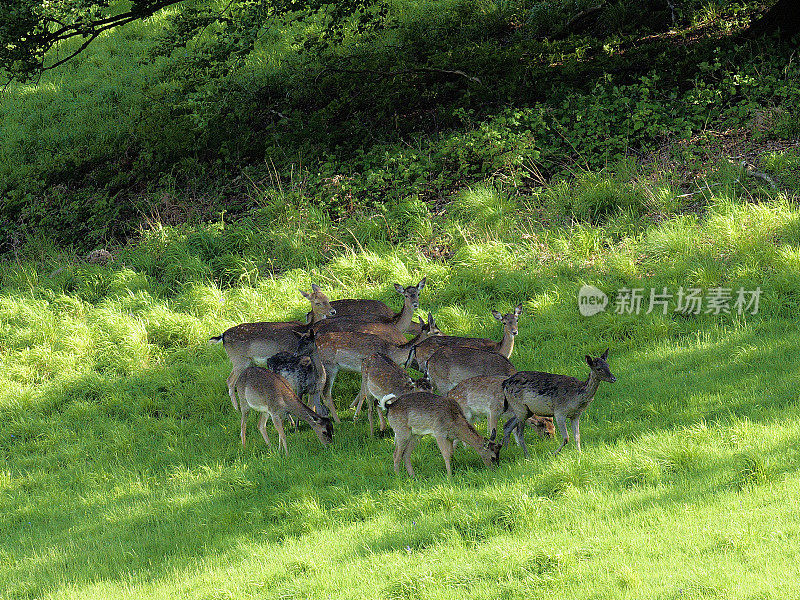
[
  {"x": 559, "y": 396},
  {"x": 422, "y": 413},
  {"x": 268, "y": 393},
  {"x": 258, "y": 341},
  {"x": 381, "y": 377},
  {"x": 483, "y": 397},
  {"x": 346, "y": 350},
  {"x": 451, "y": 365},
  {"x": 377, "y": 311},
  {"x": 505, "y": 346}
]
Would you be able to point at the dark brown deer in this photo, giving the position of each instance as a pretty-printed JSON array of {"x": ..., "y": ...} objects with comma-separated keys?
[{"x": 559, "y": 396}]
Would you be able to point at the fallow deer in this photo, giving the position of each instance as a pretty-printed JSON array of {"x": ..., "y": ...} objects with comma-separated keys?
[
  {"x": 376, "y": 311},
  {"x": 451, "y": 365},
  {"x": 483, "y": 397},
  {"x": 505, "y": 346},
  {"x": 262, "y": 390},
  {"x": 422, "y": 413},
  {"x": 381, "y": 377},
  {"x": 258, "y": 341},
  {"x": 559, "y": 396},
  {"x": 346, "y": 350}
]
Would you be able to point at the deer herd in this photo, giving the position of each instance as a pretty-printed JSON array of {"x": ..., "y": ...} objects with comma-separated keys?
[{"x": 474, "y": 377}]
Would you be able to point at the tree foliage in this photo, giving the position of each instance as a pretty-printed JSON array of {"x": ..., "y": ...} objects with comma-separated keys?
[{"x": 29, "y": 29}]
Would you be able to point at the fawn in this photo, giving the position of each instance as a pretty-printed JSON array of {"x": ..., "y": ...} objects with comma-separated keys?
[{"x": 422, "y": 413}]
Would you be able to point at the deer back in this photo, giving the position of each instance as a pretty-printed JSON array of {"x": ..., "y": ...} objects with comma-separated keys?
[
  {"x": 451, "y": 365},
  {"x": 383, "y": 376}
]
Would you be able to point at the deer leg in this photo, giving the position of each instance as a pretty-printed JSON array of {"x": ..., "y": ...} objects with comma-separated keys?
[
  {"x": 446, "y": 449},
  {"x": 401, "y": 440},
  {"x": 561, "y": 423},
  {"x": 382, "y": 420},
  {"x": 330, "y": 376},
  {"x": 576, "y": 431},
  {"x": 370, "y": 409},
  {"x": 407, "y": 454},
  {"x": 262, "y": 427},
  {"x": 242, "y": 433},
  {"x": 319, "y": 392},
  {"x": 278, "y": 422},
  {"x": 231, "y": 381},
  {"x": 491, "y": 424}
]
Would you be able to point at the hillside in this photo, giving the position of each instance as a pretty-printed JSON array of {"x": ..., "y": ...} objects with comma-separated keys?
[{"x": 155, "y": 194}]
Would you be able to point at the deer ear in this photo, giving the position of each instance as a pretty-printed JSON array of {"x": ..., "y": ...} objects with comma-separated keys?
[
  {"x": 315, "y": 288},
  {"x": 605, "y": 354},
  {"x": 421, "y": 284},
  {"x": 518, "y": 309},
  {"x": 305, "y": 294},
  {"x": 497, "y": 315},
  {"x": 400, "y": 289},
  {"x": 589, "y": 360}
]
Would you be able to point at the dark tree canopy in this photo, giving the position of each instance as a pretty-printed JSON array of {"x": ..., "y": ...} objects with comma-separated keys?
[{"x": 29, "y": 29}]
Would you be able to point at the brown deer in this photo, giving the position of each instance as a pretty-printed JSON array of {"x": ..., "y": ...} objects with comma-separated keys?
[
  {"x": 505, "y": 346},
  {"x": 451, "y": 365},
  {"x": 377, "y": 311},
  {"x": 559, "y": 396},
  {"x": 422, "y": 413},
  {"x": 381, "y": 377},
  {"x": 346, "y": 350},
  {"x": 483, "y": 397},
  {"x": 258, "y": 341},
  {"x": 268, "y": 393}
]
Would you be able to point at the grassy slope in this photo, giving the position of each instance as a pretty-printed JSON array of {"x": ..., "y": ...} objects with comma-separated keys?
[
  {"x": 120, "y": 468},
  {"x": 122, "y": 472}
]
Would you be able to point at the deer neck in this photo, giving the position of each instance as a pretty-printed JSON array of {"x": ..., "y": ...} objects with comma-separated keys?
[
  {"x": 590, "y": 385},
  {"x": 402, "y": 320},
  {"x": 506, "y": 345},
  {"x": 301, "y": 411},
  {"x": 472, "y": 438}
]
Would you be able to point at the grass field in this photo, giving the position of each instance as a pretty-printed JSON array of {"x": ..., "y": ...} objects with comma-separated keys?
[
  {"x": 504, "y": 150},
  {"x": 122, "y": 473}
]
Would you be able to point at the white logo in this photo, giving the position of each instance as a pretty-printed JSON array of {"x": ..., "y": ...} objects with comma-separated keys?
[{"x": 591, "y": 300}]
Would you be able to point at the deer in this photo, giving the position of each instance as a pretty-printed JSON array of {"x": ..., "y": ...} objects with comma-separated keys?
[
  {"x": 558, "y": 396},
  {"x": 483, "y": 397},
  {"x": 381, "y": 377},
  {"x": 376, "y": 311},
  {"x": 505, "y": 346},
  {"x": 299, "y": 369},
  {"x": 451, "y": 365},
  {"x": 262, "y": 390},
  {"x": 422, "y": 413},
  {"x": 249, "y": 342},
  {"x": 346, "y": 350}
]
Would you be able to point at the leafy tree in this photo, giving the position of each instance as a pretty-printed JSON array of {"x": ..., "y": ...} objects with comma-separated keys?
[{"x": 30, "y": 28}]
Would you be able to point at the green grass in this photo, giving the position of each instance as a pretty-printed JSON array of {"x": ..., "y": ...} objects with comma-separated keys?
[{"x": 121, "y": 472}]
